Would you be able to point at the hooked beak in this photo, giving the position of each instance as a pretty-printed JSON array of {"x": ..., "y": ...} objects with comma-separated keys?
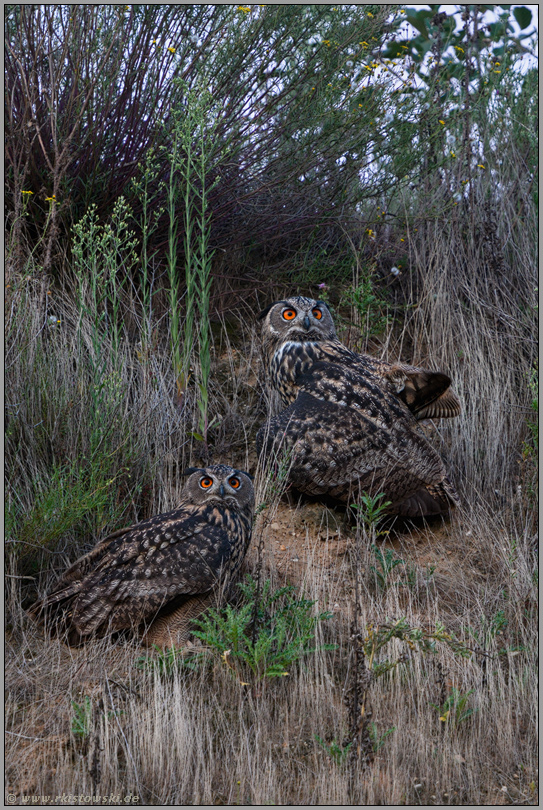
[
  {"x": 307, "y": 323},
  {"x": 221, "y": 490}
]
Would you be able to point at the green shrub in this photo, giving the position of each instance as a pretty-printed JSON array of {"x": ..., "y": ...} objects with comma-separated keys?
[{"x": 266, "y": 635}]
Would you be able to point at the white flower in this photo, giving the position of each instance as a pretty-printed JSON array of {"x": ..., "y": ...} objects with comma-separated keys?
[{"x": 395, "y": 271}]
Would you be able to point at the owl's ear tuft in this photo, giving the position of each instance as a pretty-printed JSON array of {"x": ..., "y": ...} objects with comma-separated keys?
[
  {"x": 323, "y": 304},
  {"x": 191, "y": 470},
  {"x": 263, "y": 313}
]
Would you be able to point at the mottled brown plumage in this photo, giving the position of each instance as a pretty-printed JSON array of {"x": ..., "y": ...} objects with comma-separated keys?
[
  {"x": 349, "y": 423},
  {"x": 150, "y": 574}
]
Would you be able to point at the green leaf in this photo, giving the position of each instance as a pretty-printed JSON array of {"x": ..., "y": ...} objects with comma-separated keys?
[
  {"x": 418, "y": 23},
  {"x": 523, "y": 16},
  {"x": 394, "y": 50}
]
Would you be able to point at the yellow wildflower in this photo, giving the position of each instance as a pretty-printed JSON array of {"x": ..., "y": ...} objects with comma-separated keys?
[
  {"x": 245, "y": 9},
  {"x": 51, "y": 199},
  {"x": 171, "y": 50},
  {"x": 370, "y": 14},
  {"x": 480, "y": 165},
  {"x": 442, "y": 122},
  {"x": 27, "y": 192}
]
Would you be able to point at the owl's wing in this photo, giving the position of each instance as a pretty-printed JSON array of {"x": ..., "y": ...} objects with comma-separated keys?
[
  {"x": 135, "y": 572},
  {"x": 344, "y": 434},
  {"x": 428, "y": 394},
  {"x": 69, "y": 584},
  {"x": 348, "y": 385}
]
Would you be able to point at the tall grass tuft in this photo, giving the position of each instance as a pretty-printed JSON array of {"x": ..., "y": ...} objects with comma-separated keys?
[{"x": 191, "y": 163}]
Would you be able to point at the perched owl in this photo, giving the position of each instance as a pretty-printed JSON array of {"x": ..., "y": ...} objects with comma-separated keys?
[
  {"x": 349, "y": 423},
  {"x": 158, "y": 574}
]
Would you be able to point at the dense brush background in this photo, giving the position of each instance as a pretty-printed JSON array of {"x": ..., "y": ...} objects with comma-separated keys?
[{"x": 170, "y": 171}]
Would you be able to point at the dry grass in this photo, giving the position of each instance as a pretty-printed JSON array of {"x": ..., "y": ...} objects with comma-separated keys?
[{"x": 204, "y": 737}]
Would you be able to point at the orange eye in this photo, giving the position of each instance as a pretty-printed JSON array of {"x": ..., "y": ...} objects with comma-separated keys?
[
  {"x": 234, "y": 482},
  {"x": 317, "y": 313},
  {"x": 206, "y": 482},
  {"x": 289, "y": 314}
]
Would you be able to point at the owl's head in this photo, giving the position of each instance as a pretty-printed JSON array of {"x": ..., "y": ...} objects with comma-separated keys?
[
  {"x": 221, "y": 484},
  {"x": 297, "y": 319}
]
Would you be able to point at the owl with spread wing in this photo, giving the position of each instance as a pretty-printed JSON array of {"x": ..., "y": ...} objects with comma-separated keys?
[{"x": 349, "y": 422}]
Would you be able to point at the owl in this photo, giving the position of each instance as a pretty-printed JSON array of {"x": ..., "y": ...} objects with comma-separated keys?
[
  {"x": 349, "y": 422},
  {"x": 157, "y": 575}
]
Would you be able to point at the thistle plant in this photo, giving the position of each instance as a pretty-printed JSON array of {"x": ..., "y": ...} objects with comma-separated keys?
[
  {"x": 337, "y": 752},
  {"x": 371, "y": 511},
  {"x": 82, "y": 716},
  {"x": 284, "y": 633},
  {"x": 455, "y": 709},
  {"x": 368, "y": 307},
  {"x": 368, "y": 645},
  {"x": 387, "y": 563}
]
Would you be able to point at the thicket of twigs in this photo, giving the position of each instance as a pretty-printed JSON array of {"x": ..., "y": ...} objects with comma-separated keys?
[{"x": 170, "y": 171}]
